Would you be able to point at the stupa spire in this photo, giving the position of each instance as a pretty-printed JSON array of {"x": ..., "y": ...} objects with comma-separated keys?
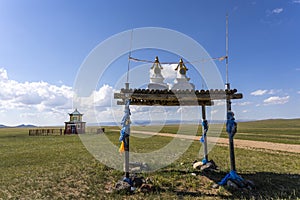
[
  {"x": 182, "y": 81},
  {"x": 156, "y": 78}
]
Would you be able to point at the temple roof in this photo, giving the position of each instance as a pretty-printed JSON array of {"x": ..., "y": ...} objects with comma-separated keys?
[{"x": 76, "y": 112}]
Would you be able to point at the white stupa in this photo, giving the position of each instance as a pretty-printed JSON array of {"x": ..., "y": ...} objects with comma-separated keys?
[
  {"x": 156, "y": 79},
  {"x": 182, "y": 81}
]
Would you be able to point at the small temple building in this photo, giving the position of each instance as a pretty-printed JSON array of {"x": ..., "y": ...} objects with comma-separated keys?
[{"x": 75, "y": 125}]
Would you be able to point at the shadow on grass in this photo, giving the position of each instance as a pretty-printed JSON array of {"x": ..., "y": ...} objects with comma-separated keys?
[
  {"x": 268, "y": 185},
  {"x": 181, "y": 194}
]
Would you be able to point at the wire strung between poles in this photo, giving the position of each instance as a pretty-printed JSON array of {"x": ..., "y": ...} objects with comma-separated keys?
[{"x": 196, "y": 61}]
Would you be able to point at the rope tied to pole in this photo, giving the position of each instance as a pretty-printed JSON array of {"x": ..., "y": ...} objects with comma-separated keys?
[
  {"x": 231, "y": 125},
  {"x": 176, "y": 62},
  {"x": 125, "y": 131},
  {"x": 205, "y": 129}
]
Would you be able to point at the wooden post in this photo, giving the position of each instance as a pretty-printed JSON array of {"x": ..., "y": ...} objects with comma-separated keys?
[
  {"x": 204, "y": 131},
  {"x": 126, "y": 148},
  {"x": 125, "y": 134},
  {"x": 230, "y": 136},
  {"x": 232, "y": 157}
]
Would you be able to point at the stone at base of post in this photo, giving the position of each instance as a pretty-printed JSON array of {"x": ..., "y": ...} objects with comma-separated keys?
[
  {"x": 127, "y": 180},
  {"x": 205, "y": 165},
  {"x": 209, "y": 165},
  {"x": 137, "y": 184},
  {"x": 234, "y": 181}
]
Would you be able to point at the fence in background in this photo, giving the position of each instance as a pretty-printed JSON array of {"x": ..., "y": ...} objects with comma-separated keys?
[
  {"x": 96, "y": 130},
  {"x": 57, "y": 131},
  {"x": 45, "y": 132}
]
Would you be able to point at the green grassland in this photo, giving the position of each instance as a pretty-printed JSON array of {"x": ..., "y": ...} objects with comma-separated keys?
[
  {"x": 285, "y": 131},
  {"x": 60, "y": 167}
]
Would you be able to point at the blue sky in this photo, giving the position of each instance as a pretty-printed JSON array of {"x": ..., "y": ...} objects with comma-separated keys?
[{"x": 44, "y": 43}]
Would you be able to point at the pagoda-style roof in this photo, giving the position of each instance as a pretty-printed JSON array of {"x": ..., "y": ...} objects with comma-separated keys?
[{"x": 76, "y": 112}]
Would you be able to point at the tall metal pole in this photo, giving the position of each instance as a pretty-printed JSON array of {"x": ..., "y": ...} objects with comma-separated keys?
[
  {"x": 126, "y": 138},
  {"x": 227, "y": 81},
  {"x": 128, "y": 64},
  {"x": 227, "y": 84}
]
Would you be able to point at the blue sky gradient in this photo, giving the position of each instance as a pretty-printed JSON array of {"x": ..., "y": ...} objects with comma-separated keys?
[{"x": 43, "y": 44}]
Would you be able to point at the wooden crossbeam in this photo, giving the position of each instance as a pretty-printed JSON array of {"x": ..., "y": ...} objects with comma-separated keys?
[
  {"x": 174, "y": 98},
  {"x": 166, "y": 103}
]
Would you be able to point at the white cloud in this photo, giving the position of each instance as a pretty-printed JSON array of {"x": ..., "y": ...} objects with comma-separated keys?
[
  {"x": 277, "y": 10},
  {"x": 103, "y": 96},
  {"x": 3, "y": 74},
  {"x": 259, "y": 92},
  {"x": 42, "y": 103},
  {"x": 169, "y": 72},
  {"x": 274, "y": 91},
  {"x": 296, "y": 1},
  {"x": 262, "y": 92},
  {"x": 99, "y": 99},
  {"x": 219, "y": 103},
  {"x": 34, "y": 93},
  {"x": 244, "y": 103},
  {"x": 298, "y": 92},
  {"x": 272, "y": 17},
  {"x": 276, "y": 100},
  {"x": 26, "y": 99}
]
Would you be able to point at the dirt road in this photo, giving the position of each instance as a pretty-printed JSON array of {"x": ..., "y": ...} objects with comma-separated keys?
[{"x": 238, "y": 143}]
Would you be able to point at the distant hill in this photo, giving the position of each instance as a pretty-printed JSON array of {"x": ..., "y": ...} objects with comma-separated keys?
[
  {"x": 25, "y": 126},
  {"x": 2, "y": 126},
  {"x": 19, "y": 126},
  {"x": 273, "y": 123}
]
